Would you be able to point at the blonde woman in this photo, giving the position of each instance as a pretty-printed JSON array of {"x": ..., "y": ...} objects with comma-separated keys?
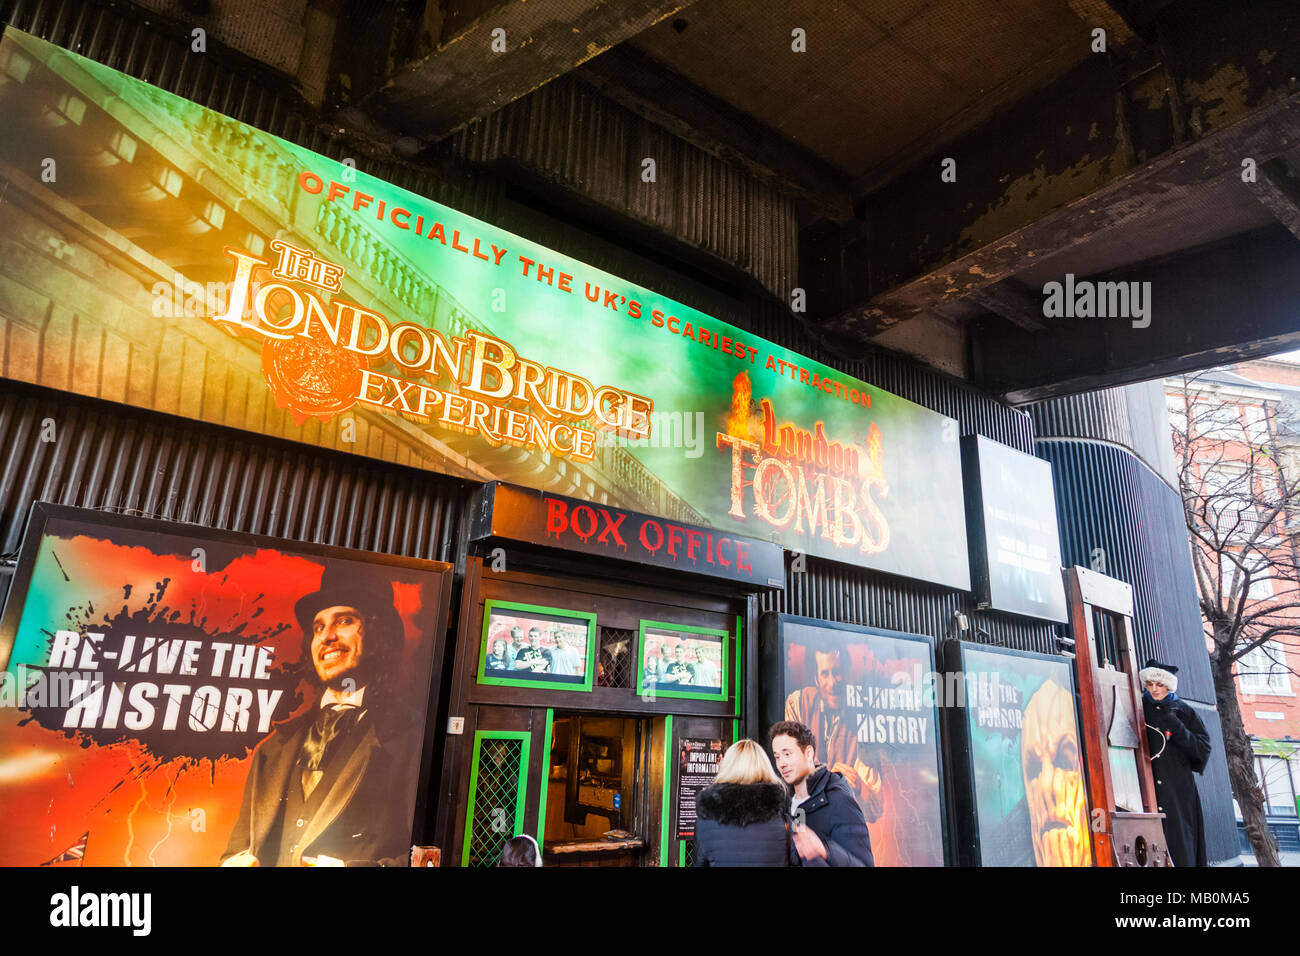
[{"x": 741, "y": 818}]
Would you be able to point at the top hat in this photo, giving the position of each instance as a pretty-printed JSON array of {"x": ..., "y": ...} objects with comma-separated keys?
[{"x": 343, "y": 587}]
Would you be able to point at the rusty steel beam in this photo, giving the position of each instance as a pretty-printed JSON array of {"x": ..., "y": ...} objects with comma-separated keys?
[
  {"x": 466, "y": 78},
  {"x": 1124, "y": 201},
  {"x": 1221, "y": 304},
  {"x": 1277, "y": 189},
  {"x": 1013, "y": 302},
  {"x": 1098, "y": 150}
]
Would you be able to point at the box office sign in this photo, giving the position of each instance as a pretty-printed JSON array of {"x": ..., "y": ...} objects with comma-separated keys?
[
  {"x": 506, "y": 513},
  {"x": 204, "y": 268},
  {"x": 176, "y": 696}
]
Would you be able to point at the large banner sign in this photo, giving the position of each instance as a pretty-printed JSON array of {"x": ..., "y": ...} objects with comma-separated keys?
[
  {"x": 164, "y": 255},
  {"x": 1018, "y": 764},
  {"x": 868, "y": 698},
  {"x": 174, "y": 696}
]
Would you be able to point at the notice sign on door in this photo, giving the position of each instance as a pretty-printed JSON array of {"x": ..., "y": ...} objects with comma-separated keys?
[{"x": 697, "y": 765}]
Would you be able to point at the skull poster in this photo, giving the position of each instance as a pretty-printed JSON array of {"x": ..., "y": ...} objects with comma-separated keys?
[{"x": 1018, "y": 763}]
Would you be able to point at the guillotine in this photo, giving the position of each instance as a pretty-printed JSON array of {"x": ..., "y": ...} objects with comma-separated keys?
[{"x": 1130, "y": 831}]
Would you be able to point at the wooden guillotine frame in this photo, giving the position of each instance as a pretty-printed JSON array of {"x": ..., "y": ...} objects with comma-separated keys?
[{"x": 1120, "y": 779}]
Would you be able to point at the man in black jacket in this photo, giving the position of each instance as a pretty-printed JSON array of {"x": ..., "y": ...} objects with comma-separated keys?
[
  {"x": 830, "y": 829},
  {"x": 1180, "y": 746}
]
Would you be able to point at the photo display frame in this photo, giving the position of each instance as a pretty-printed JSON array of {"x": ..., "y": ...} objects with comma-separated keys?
[
  {"x": 529, "y": 645},
  {"x": 682, "y": 661}
]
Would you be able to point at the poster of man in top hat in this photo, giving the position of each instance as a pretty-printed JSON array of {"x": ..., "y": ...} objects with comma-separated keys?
[{"x": 333, "y": 786}]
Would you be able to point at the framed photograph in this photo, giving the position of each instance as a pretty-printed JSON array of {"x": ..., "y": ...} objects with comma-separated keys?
[
  {"x": 675, "y": 660},
  {"x": 164, "y": 679},
  {"x": 525, "y": 645}
]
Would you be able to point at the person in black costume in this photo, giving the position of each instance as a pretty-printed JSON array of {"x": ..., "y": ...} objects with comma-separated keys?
[{"x": 1180, "y": 746}]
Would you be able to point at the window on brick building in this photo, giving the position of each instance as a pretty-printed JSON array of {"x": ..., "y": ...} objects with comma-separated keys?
[{"x": 1264, "y": 670}]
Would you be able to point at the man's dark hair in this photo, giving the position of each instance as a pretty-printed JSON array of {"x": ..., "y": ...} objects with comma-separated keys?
[{"x": 803, "y": 737}]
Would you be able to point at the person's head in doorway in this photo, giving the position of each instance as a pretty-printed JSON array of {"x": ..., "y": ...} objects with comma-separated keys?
[
  {"x": 520, "y": 851},
  {"x": 794, "y": 750}
]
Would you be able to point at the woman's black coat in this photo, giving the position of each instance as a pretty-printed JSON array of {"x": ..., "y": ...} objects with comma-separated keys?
[
  {"x": 1176, "y": 733},
  {"x": 743, "y": 824}
]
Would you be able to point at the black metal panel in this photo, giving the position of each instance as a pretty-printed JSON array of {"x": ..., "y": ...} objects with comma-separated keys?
[
  {"x": 93, "y": 454},
  {"x": 1221, "y": 838}
]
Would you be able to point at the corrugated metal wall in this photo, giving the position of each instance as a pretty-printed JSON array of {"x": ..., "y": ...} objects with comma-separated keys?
[
  {"x": 569, "y": 132},
  {"x": 1134, "y": 416},
  {"x": 1222, "y": 841},
  {"x": 91, "y": 454},
  {"x": 1107, "y": 499}
]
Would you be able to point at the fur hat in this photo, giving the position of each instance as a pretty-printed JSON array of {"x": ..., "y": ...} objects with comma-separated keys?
[{"x": 1160, "y": 673}]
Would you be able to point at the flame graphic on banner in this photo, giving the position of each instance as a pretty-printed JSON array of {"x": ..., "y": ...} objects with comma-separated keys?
[
  {"x": 875, "y": 449},
  {"x": 741, "y": 392}
]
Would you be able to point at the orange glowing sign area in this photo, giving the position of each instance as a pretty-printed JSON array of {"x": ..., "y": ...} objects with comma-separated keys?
[
  {"x": 800, "y": 479},
  {"x": 321, "y": 357}
]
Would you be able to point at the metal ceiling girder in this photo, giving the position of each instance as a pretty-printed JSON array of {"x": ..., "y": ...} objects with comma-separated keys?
[{"x": 470, "y": 76}]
